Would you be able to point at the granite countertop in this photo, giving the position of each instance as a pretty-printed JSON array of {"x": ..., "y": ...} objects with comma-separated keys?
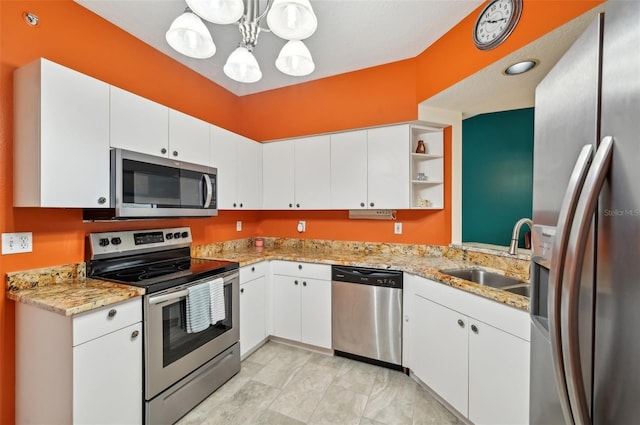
[
  {"x": 65, "y": 290},
  {"x": 427, "y": 266}
]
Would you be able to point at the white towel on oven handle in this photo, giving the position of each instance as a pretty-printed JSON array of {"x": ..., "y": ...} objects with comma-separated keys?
[
  {"x": 216, "y": 292},
  {"x": 198, "y": 308}
]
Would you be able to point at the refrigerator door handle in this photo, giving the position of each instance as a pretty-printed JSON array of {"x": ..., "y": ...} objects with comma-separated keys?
[
  {"x": 570, "y": 292},
  {"x": 558, "y": 254}
]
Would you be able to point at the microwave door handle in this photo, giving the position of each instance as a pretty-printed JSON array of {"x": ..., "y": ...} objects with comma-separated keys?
[
  {"x": 208, "y": 190},
  {"x": 585, "y": 210},
  {"x": 558, "y": 254}
]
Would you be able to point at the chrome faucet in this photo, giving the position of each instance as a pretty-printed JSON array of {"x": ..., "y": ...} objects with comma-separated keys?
[{"x": 513, "y": 248}]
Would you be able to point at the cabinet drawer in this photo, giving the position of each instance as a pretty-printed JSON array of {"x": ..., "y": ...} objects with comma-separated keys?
[
  {"x": 253, "y": 271},
  {"x": 105, "y": 320},
  {"x": 295, "y": 268}
]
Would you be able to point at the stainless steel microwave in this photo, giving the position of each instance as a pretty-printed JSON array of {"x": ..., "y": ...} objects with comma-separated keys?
[{"x": 146, "y": 186}]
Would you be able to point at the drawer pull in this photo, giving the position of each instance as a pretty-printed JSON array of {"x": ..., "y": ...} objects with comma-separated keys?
[
  {"x": 299, "y": 266},
  {"x": 253, "y": 269},
  {"x": 135, "y": 334},
  {"x": 296, "y": 282},
  {"x": 112, "y": 313},
  {"x": 460, "y": 323},
  {"x": 474, "y": 328},
  {"x": 242, "y": 291}
]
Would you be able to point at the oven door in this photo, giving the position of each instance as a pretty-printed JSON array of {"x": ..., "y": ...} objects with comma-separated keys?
[{"x": 170, "y": 352}]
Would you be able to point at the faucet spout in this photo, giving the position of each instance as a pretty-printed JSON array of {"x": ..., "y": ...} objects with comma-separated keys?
[{"x": 513, "y": 247}]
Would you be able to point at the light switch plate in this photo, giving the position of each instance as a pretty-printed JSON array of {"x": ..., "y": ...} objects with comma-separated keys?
[
  {"x": 238, "y": 226},
  {"x": 15, "y": 243},
  {"x": 397, "y": 228}
]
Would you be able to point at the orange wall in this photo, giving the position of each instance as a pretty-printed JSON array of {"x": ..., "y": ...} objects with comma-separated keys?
[{"x": 73, "y": 36}]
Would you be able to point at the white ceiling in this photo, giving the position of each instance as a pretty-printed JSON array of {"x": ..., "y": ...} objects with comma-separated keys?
[{"x": 351, "y": 35}]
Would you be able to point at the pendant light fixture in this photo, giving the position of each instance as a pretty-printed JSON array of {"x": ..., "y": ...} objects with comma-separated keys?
[{"x": 292, "y": 20}]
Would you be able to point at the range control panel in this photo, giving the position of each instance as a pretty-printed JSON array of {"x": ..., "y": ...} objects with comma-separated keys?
[{"x": 108, "y": 244}]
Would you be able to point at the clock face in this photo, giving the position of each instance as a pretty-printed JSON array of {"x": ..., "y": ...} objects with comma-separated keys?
[{"x": 496, "y": 21}]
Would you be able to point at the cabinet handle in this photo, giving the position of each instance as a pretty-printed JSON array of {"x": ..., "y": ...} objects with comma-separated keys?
[
  {"x": 242, "y": 290},
  {"x": 163, "y": 151},
  {"x": 296, "y": 282},
  {"x": 362, "y": 204},
  {"x": 253, "y": 269},
  {"x": 372, "y": 204},
  {"x": 234, "y": 205},
  {"x": 102, "y": 200},
  {"x": 112, "y": 313},
  {"x": 461, "y": 323},
  {"x": 135, "y": 334},
  {"x": 299, "y": 266},
  {"x": 240, "y": 204},
  {"x": 474, "y": 328},
  {"x": 175, "y": 153},
  {"x": 304, "y": 283},
  {"x": 297, "y": 205},
  {"x": 290, "y": 205}
]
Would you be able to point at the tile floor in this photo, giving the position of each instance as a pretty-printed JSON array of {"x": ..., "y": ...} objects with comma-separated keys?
[{"x": 283, "y": 385}]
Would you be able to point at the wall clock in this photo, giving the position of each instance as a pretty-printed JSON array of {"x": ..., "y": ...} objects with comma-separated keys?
[{"x": 496, "y": 22}]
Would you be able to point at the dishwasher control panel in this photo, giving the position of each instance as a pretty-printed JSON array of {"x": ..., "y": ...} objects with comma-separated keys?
[{"x": 367, "y": 276}]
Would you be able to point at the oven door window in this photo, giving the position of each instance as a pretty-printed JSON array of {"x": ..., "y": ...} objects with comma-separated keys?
[
  {"x": 150, "y": 184},
  {"x": 176, "y": 342}
]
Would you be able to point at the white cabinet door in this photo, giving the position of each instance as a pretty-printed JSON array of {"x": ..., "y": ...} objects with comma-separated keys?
[
  {"x": 312, "y": 173},
  {"x": 278, "y": 175},
  {"x": 138, "y": 124},
  {"x": 249, "y": 174},
  {"x": 61, "y": 139},
  {"x": 498, "y": 376},
  {"x": 109, "y": 368},
  {"x": 252, "y": 314},
  {"x": 315, "y": 309},
  {"x": 388, "y": 167},
  {"x": 224, "y": 158},
  {"x": 440, "y": 356},
  {"x": 349, "y": 170},
  {"x": 286, "y": 306},
  {"x": 188, "y": 138}
]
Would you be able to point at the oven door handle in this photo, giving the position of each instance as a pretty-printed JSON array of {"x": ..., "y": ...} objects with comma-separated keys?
[{"x": 168, "y": 297}]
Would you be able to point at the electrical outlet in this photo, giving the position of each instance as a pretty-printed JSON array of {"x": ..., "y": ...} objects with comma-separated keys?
[
  {"x": 238, "y": 226},
  {"x": 302, "y": 226},
  {"x": 15, "y": 243},
  {"x": 397, "y": 228}
]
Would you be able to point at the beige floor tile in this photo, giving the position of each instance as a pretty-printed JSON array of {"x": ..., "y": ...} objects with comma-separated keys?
[
  {"x": 392, "y": 398},
  {"x": 428, "y": 411},
  {"x": 269, "y": 417},
  {"x": 357, "y": 376},
  {"x": 283, "y": 367},
  {"x": 339, "y": 406},
  {"x": 244, "y": 406}
]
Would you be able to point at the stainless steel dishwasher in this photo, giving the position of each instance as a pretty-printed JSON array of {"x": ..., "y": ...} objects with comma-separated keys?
[{"x": 367, "y": 314}]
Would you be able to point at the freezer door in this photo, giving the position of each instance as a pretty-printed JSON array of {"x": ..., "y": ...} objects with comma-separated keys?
[
  {"x": 617, "y": 339},
  {"x": 566, "y": 119}
]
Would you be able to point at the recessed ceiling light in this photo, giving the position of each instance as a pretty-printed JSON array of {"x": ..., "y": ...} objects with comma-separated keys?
[{"x": 521, "y": 67}]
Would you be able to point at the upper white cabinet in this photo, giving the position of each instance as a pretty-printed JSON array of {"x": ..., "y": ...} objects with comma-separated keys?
[
  {"x": 427, "y": 169},
  {"x": 138, "y": 124},
  {"x": 277, "y": 175},
  {"x": 61, "y": 138},
  {"x": 239, "y": 163},
  {"x": 188, "y": 138},
  {"x": 370, "y": 168}
]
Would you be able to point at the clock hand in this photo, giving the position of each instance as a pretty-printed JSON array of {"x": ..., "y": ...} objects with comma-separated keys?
[{"x": 496, "y": 20}]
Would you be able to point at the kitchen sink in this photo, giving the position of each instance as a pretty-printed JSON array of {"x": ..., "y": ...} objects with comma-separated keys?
[
  {"x": 493, "y": 280},
  {"x": 524, "y": 290}
]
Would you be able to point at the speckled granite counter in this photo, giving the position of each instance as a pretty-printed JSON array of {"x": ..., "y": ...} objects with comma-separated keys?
[
  {"x": 66, "y": 290},
  {"x": 421, "y": 260}
]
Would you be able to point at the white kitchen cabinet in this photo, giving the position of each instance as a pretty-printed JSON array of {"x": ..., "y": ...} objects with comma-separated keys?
[
  {"x": 349, "y": 170},
  {"x": 370, "y": 168},
  {"x": 427, "y": 169},
  {"x": 253, "y": 311},
  {"x": 188, "y": 138},
  {"x": 61, "y": 138},
  {"x": 139, "y": 124},
  {"x": 239, "y": 163},
  {"x": 81, "y": 369},
  {"x": 302, "y": 302},
  {"x": 312, "y": 173},
  {"x": 472, "y": 351},
  {"x": 278, "y": 175}
]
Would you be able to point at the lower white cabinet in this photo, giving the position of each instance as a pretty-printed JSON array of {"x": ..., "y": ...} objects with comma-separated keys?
[
  {"x": 471, "y": 351},
  {"x": 253, "y": 313},
  {"x": 302, "y": 302},
  {"x": 81, "y": 369}
]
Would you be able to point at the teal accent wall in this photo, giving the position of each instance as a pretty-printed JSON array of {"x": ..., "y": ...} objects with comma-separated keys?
[{"x": 497, "y": 175}]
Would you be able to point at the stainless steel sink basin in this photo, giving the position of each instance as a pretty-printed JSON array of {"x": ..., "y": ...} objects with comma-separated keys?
[
  {"x": 524, "y": 290},
  {"x": 483, "y": 277}
]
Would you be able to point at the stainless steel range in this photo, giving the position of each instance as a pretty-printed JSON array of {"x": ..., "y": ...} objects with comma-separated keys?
[{"x": 182, "y": 366}]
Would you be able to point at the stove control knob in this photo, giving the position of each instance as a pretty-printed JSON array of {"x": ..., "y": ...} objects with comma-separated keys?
[
  {"x": 169, "y": 236},
  {"x": 185, "y": 234},
  {"x": 176, "y": 235},
  {"x": 103, "y": 241},
  {"x": 116, "y": 241}
]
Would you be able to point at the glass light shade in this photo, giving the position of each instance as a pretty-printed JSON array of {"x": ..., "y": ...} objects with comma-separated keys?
[
  {"x": 188, "y": 35},
  {"x": 218, "y": 11},
  {"x": 520, "y": 67},
  {"x": 292, "y": 19},
  {"x": 242, "y": 66},
  {"x": 295, "y": 59}
]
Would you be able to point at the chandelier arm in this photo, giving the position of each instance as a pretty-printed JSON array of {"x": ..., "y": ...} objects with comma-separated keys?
[{"x": 264, "y": 13}]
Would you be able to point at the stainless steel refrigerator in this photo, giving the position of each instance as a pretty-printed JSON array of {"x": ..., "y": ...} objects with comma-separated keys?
[{"x": 585, "y": 304}]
